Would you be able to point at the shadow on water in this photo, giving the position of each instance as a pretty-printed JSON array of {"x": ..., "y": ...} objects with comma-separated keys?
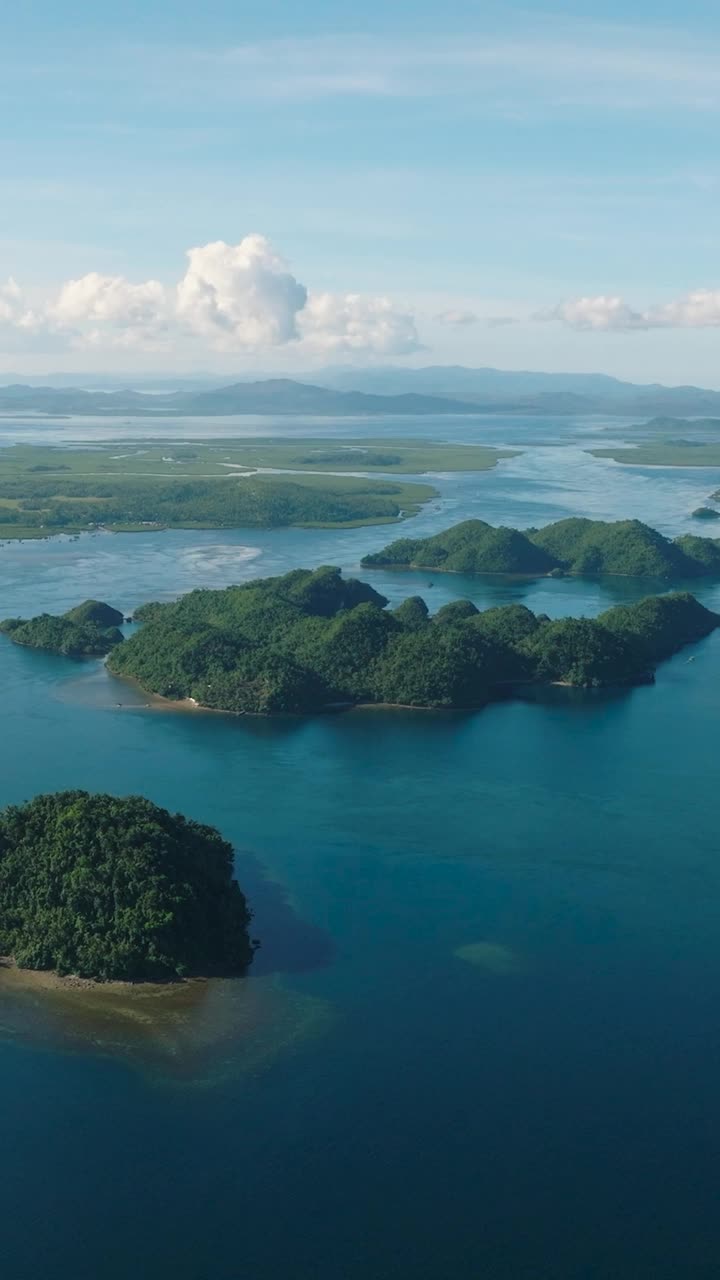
[{"x": 288, "y": 944}]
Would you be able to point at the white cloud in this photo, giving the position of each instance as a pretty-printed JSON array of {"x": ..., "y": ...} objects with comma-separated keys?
[
  {"x": 352, "y": 323},
  {"x": 240, "y": 295},
  {"x": 600, "y": 313},
  {"x": 110, "y": 311},
  {"x": 456, "y": 316},
  {"x": 233, "y": 297},
  {"x": 21, "y": 327},
  {"x": 698, "y": 310},
  {"x": 10, "y": 302},
  {"x": 111, "y": 300}
]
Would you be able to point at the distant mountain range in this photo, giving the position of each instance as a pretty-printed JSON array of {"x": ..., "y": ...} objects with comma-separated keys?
[
  {"x": 274, "y": 396},
  {"x": 368, "y": 392},
  {"x": 508, "y": 391}
]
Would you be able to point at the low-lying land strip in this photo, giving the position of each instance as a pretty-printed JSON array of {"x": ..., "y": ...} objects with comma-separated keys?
[
  {"x": 49, "y": 491},
  {"x": 216, "y": 484},
  {"x": 208, "y": 458},
  {"x": 669, "y": 442}
]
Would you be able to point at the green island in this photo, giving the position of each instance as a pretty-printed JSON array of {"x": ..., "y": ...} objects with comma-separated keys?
[
  {"x": 118, "y": 889},
  {"x": 90, "y": 629},
  {"x": 705, "y": 513},
  {"x": 217, "y": 484},
  {"x": 311, "y": 639},
  {"x": 574, "y": 546}
]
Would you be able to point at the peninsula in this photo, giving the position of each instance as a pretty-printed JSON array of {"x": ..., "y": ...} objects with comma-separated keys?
[{"x": 118, "y": 889}]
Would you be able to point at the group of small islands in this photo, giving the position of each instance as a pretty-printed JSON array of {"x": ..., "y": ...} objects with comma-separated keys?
[
  {"x": 102, "y": 889},
  {"x": 311, "y": 640}
]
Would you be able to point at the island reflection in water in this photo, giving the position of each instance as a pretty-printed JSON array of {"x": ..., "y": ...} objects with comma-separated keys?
[{"x": 188, "y": 1033}]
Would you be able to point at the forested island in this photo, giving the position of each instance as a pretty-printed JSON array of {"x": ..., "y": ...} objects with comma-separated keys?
[
  {"x": 311, "y": 639},
  {"x": 88, "y": 630},
  {"x": 111, "y": 888},
  {"x": 574, "y": 546}
]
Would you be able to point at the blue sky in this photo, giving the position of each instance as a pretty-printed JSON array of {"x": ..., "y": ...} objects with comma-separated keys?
[{"x": 515, "y": 185}]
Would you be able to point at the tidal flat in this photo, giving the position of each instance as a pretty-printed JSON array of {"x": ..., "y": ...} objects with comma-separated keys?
[{"x": 194, "y": 1032}]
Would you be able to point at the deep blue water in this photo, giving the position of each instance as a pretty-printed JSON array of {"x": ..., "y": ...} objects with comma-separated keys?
[{"x": 552, "y": 1112}]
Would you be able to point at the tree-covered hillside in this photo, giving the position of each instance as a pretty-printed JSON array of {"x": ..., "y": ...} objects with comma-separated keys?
[
  {"x": 111, "y": 888},
  {"x": 310, "y": 639},
  {"x": 576, "y": 545},
  {"x": 90, "y": 629}
]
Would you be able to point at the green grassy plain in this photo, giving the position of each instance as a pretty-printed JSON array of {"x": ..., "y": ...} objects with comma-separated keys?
[
  {"x": 667, "y": 453},
  {"x": 218, "y": 457},
  {"x": 50, "y": 490}
]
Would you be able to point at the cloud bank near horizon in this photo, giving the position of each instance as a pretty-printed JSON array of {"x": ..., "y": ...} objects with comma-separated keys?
[
  {"x": 699, "y": 309},
  {"x": 243, "y": 298}
]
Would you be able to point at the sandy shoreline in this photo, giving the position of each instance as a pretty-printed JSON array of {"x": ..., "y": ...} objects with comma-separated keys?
[{"x": 16, "y": 979}]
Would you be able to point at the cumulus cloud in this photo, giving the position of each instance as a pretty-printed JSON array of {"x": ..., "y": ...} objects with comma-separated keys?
[
  {"x": 10, "y": 302},
  {"x": 97, "y": 310},
  {"x": 233, "y": 297},
  {"x": 352, "y": 323},
  {"x": 23, "y": 328},
  {"x": 110, "y": 300},
  {"x": 240, "y": 295},
  {"x": 698, "y": 310},
  {"x": 457, "y": 317},
  {"x": 604, "y": 312}
]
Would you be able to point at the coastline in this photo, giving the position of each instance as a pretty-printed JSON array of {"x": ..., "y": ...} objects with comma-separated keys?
[
  {"x": 12, "y": 977},
  {"x": 555, "y": 574},
  {"x": 497, "y": 693}
]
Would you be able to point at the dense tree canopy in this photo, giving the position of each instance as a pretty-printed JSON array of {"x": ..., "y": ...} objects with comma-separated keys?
[
  {"x": 576, "y": 545},
  {"x": 91, "y": 628},
  {"x": 111, "y": 888},
  {"x": 74, "y": 502},
  {"x": 307, "y": 640}
]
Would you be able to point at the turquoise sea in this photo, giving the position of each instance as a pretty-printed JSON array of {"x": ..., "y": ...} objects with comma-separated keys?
[{"x": 482, "y": 1036}]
